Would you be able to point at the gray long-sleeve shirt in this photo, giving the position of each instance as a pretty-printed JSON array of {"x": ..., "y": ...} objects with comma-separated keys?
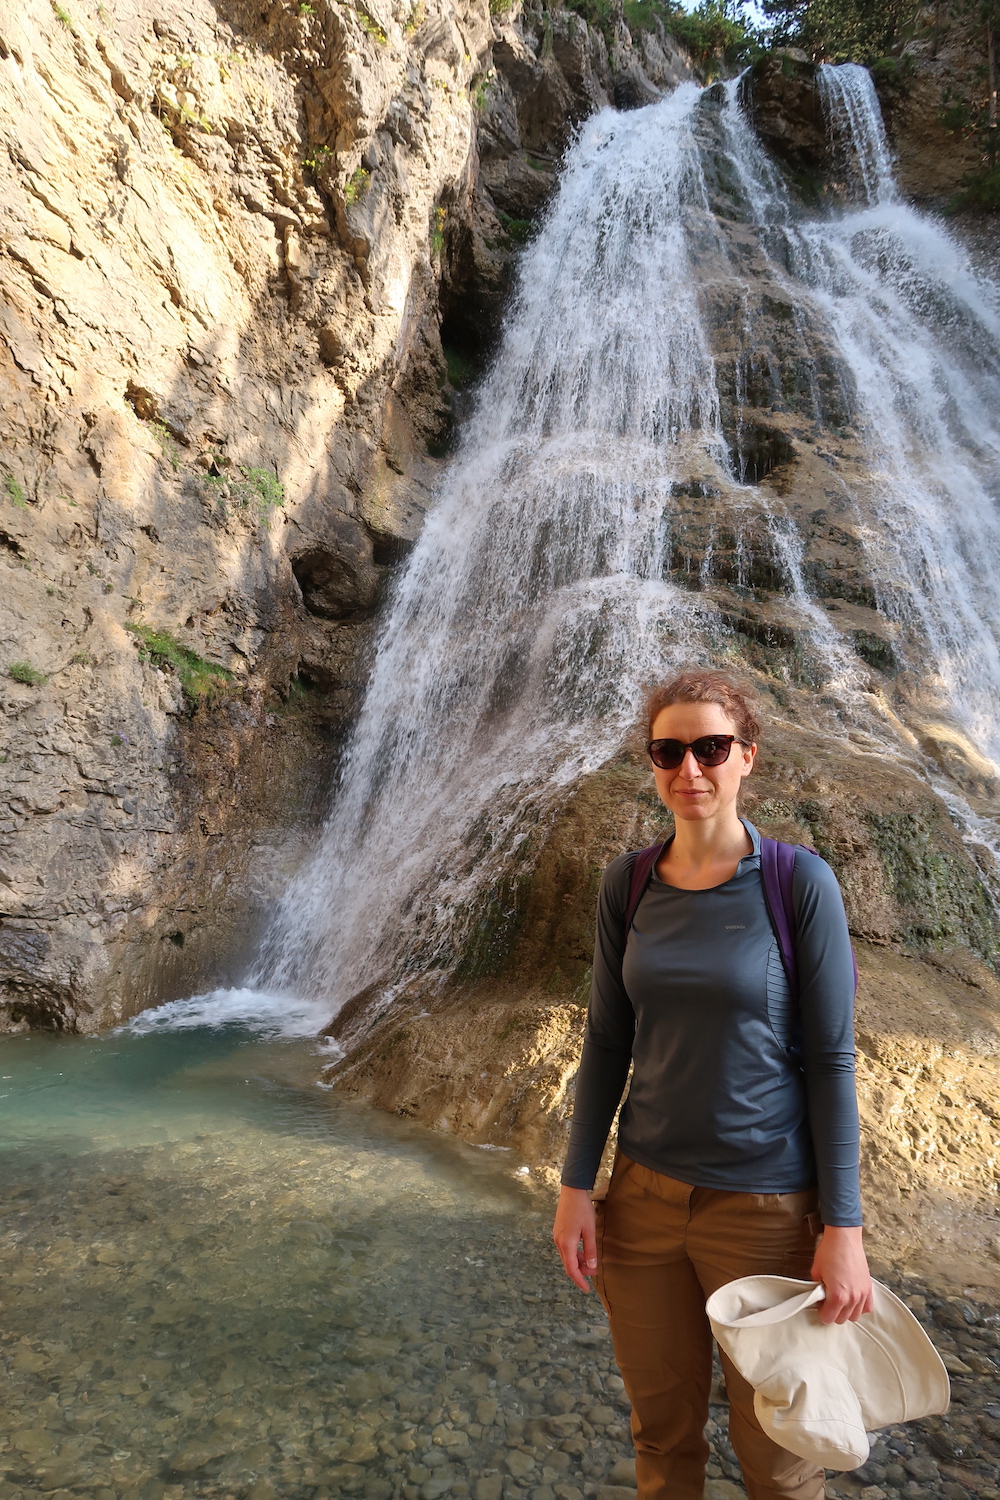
[{"x": 733, "y": 1085}]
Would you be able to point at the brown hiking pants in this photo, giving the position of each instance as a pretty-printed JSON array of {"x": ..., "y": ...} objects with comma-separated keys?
[{"x": 663, "y": 1247}]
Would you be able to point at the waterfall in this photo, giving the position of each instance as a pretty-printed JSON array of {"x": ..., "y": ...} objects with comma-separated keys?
[
  {"x": 538, "y": 600},
  {"x": 857, "y": 137}
]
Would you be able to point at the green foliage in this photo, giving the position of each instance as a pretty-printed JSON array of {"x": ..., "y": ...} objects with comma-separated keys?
[
  {"x": 190, "y": 118},
  {"x": 357, "y": 186},
  {"x": 718, "y": 33},
  {"x": 249, "y": 487},
  {"x": 415, "y": 19},
  {"x": 305, "y": 9},
  {"x": 15, "y": 492},
  {"x": 970, "y": 108},
  {"x": 482, "y": 90},
  {"x": 501, "y": 8},
  {"x": 168, "y": 443},
  {"x": 81, "y": 659},
  {"x": 437, "y": 232},
  {"x": 200, "y": 680},
  {"x": 980, "y": 190},
  {"x": 319, "y": 159},
  {"x": 62, "y": 16},
  {"x": 372, "y": 27},
  {"x": 22, "y": 672},
  {"x": 517, "y": 230},
  {"x": 260, "y": 489}
]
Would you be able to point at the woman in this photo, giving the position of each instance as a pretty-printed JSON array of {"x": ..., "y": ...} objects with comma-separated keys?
[{"x": 739, "y": 1136}]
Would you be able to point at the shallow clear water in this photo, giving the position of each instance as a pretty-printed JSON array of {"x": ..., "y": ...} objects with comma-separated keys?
[{"x": 217, "y": 1278}]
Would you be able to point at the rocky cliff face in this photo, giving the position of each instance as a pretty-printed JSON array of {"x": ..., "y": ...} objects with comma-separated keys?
[{"x": 231, "y": 241}]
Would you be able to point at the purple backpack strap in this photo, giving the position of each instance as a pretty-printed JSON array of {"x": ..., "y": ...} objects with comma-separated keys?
[
  {"x": 777, "y": 868},
  {"x": 642, "y": 868}
]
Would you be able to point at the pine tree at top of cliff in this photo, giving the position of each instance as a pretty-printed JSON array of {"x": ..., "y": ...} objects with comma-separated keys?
[
  {"x": 973, "y": 112},
  {"x": 841, "y": 30},
  {"x": 719, "y": 35}
]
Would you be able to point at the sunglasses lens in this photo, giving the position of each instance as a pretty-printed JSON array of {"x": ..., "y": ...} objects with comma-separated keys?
[
  {"x": 666, "y": 755},
  {"x": 712, "y": 750}
]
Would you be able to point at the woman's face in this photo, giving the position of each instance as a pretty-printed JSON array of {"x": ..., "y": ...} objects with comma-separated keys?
[{"x": 695, "y": 792}]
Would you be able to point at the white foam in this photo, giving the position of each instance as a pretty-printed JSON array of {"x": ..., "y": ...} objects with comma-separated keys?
[{"x": 256, "y": 1010}]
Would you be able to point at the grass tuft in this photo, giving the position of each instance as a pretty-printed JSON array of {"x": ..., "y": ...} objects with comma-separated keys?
[
  {"x": 168, "y": 443},
  {"x": 22, "y": 671},
  {"x": 15, "y": 492},
  {"x": 201, "y": 681}
]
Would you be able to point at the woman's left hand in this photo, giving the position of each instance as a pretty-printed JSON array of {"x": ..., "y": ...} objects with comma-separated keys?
[{"x": 841, "y": 1265}]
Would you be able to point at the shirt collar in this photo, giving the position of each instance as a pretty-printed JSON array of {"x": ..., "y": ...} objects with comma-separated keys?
[{"x": 749, "y": 861}]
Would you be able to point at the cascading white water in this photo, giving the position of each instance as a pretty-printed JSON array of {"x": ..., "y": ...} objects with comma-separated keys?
[
  {"x": 535, "y": 604},
  {"x": 857, "y": 137},
  {"x": 919, "y": 334}
]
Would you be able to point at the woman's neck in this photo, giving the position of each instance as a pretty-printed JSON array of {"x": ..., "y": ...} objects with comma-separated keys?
[{"x": 704, "y": 853}]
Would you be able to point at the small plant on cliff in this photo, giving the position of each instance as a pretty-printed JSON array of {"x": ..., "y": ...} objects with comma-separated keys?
[
  {"x": 15, "y": 492},
  {"x": 319, "y": 159},
  {"x": 357, "y": 186},
  {"x": 200, "y": 680},
  {"x": 372, "y": 27},
  {"x": 517, "y": 230},
  {"x": 62, "y": 16},
  {"x": 437, "y": 232},
  {"x": 167, "y": 442},
  {"x": 22, "y": 672},
  {"x": 305, "y": 9},
  {"x": 483, "y": 90},
  {"x": 260, "y": 489},
  {"x": 416, "y": 18},
  {"x": 501, "y": 8}
]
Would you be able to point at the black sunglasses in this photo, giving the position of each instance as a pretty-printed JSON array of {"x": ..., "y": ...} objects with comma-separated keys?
[{"x": 710, "y": 750}]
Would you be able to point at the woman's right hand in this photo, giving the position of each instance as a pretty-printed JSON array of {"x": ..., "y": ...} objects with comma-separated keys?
[{"x": 574, "y": 1232}]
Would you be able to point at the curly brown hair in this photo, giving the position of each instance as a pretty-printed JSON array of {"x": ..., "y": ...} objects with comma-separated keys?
[{"x": 706, "y": 685}]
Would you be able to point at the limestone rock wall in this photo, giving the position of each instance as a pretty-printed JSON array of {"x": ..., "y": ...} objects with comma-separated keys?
[{"x": 228, "y": 238}]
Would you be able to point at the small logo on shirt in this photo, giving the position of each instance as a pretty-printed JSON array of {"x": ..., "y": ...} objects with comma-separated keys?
[{"x": 733, "y": 927}]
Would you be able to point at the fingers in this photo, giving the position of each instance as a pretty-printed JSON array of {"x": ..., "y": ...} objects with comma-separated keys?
[
  {"x": 588, "y": 1260},
  {"x": 574, "y": 1235},
  {"x": 570, "y": 1257},
  {"x": 845, "y": 1305}
]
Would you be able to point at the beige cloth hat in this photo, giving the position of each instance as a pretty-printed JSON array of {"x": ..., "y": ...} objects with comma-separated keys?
[{"x": 820, "y": 1388}]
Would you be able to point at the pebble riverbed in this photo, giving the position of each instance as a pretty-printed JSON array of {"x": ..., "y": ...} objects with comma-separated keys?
[{"x": 216, "y": 1280}]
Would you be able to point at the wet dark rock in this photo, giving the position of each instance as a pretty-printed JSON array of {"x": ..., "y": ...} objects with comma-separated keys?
[
  {"x": 956, "y": 1313},
  {"x": 786, "y": 110}
]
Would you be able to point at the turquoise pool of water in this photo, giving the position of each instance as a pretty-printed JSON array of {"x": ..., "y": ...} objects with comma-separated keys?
[{"x": 217, "y": 1278}]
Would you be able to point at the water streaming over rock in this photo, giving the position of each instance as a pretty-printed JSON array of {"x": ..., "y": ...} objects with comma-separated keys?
[{"x": 535, "y": 603}]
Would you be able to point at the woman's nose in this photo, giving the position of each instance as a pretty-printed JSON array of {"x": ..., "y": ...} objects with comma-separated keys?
[{"x": 689, "y": 766}]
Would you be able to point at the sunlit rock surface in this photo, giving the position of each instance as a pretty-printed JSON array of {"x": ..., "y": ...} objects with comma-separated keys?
[{"x": 230, "y": 239}]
